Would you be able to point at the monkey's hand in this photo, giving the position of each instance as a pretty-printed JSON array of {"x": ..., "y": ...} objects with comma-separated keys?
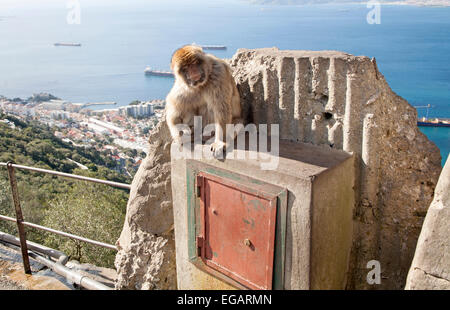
[{"x": 217, "y": 148}]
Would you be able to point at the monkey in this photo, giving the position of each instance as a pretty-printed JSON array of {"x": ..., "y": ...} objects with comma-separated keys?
[{"x": 204, "y": 86}]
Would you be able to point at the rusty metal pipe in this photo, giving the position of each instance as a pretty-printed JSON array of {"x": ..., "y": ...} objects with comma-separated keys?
[
  {"x": 19, "y": 218},
  {"x": 68, "y": 175},
  {"x": 58, "y": 232},
  {"x": 98, "y": 243}
]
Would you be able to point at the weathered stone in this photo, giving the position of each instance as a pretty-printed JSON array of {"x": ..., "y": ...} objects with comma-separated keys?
[
  {"x": 430, "y": 268},
  {"x": 146, "y": 257},
  {"x": 325, "y": 98}
]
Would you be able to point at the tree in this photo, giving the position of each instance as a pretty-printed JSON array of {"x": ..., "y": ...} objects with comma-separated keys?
[
  {"x": 6, "y": 208},
  {"x": 89, "y": 210},
  {"x": 92, "y": 167},
  {"x": 135, "y": 102},
  {"x": 146, "y": 130}
]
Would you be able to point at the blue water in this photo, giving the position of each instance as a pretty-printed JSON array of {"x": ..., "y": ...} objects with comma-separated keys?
[{"x": 119, "y": 38}]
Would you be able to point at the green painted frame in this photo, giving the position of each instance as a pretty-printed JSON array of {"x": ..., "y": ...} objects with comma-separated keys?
[{"x": 193, "y": 168}]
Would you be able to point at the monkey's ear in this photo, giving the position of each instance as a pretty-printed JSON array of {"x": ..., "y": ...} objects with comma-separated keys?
[
  {"x": 172, "y": 60},
  {"x": 172, "y": 65}
]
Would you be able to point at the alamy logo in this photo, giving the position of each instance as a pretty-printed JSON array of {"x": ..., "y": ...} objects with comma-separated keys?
[
  {"x": 74, "y": 14},
  {"x": 374, "y": 275},
  {"x": 257, "y": 149},
  {"x": 374, "y": 15}
]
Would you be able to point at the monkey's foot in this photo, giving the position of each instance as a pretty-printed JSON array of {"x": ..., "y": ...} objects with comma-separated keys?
[{"x": 217, "y": 149}]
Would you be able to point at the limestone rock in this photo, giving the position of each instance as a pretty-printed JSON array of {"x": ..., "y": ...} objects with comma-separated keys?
[
  {"x": 430, "y": 269},
  {"x": 146, "y": 257}
]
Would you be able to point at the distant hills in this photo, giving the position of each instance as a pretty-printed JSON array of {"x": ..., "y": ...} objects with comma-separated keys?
[{"x": 299, "y": 2}]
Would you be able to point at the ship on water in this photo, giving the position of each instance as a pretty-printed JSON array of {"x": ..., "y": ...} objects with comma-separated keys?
[
  {"x": 211, "y": 47},
  {"x": 149, "y": 71},
  {"x": 214, "y": 47},
  {"x": 67, "y": 44},
  {"x": 437, "y": 122}
]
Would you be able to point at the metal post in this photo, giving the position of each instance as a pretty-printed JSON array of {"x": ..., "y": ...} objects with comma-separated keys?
[{"x": 19, "y": 218}]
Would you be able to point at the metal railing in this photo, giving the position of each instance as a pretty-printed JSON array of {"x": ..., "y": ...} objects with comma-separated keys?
[{"x": 19, "y": 216}]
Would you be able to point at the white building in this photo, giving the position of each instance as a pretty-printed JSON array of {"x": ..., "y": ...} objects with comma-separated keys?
[
  {"x": 53, "y": 105},
  {"x": 141, "y": 110},
  {"x": 113, "y": 128}
]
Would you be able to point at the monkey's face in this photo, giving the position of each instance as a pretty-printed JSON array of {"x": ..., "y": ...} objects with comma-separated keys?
[
  {"x": 194, "y": 74},
  {"x": 191, "y": 65}
]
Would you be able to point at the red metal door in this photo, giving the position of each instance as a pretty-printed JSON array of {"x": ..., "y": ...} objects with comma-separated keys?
[{"x": 237, "y": 232}]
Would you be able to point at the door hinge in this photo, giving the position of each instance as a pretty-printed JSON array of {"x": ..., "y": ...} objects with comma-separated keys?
[
  {"x": 200, "y": 244},
  {"x": 199, "y": 185}
]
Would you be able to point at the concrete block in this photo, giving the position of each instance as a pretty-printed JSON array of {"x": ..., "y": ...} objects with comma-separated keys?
[{"x": 319, "y": 231}]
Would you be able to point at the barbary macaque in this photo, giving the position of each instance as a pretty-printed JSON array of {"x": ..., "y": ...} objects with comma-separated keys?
[{"x": 204, "y": 86}]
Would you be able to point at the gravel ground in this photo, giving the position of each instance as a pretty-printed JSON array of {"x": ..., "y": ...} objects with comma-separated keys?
[{"x": 6, "y": 284}]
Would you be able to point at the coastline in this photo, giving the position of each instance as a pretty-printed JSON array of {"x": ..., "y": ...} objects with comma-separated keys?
[
  {"x": 417, "y": 3},
  {"x": 437, "y": 4}
]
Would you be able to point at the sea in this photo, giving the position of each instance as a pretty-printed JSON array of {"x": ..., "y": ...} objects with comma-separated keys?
[{"x": 120, "y": 38}]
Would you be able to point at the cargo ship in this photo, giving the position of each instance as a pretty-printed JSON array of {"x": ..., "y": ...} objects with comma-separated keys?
[
  {"x": 211, "y": 47},
  {"x": 150, "y": 71},
  {"x": 67, "y": 44},
  {"x": 214, "y": 47},
  {"x": 437, "y": 122}
]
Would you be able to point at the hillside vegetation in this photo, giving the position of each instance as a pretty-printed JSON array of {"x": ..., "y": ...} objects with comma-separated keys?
[{"x": 90, "y": 210}]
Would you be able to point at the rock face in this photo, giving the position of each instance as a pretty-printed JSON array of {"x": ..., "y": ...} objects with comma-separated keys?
[
  {"x": 430, "y": 269},
  {"x": 327, "y": 98},
  {"x": 146, "y": 257}
]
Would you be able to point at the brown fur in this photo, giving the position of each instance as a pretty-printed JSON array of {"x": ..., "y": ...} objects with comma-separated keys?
[
  {"x": 187, "y": 55},
  {"x": 215, "y": 97}
]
